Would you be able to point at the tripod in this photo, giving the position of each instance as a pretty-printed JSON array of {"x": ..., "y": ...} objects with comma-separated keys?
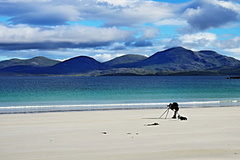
[{"x": 164, "y": 113}]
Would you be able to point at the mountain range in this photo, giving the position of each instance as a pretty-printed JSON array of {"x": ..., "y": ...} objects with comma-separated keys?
[{"x": 173, "y": 61}]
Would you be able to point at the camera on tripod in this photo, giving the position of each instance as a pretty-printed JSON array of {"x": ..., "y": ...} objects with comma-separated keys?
[{"x": 174, "y": 107}]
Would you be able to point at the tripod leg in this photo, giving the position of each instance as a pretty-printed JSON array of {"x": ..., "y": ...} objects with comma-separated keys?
[
  {"x": 164, "y": 113},
  {"x": 167, "y": 114}
]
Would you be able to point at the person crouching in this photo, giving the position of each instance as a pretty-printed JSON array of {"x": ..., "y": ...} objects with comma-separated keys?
[{"x": 174, "y": 107}]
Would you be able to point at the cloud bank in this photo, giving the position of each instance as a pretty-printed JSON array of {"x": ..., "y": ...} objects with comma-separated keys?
[
  {"x": 58, "y": 37},
  {"x": 122, "y": 24}
]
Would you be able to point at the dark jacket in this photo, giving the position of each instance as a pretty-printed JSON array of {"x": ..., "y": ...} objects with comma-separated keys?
[{"x": 173, "y": 106}]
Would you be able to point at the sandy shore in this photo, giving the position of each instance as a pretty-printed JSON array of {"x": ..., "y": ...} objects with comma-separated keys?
[{"x": 209, "y": 133}]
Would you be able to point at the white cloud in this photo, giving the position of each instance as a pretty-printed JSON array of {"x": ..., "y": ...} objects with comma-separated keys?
[
  {"x": 72, "y": 34},
  {"x": 18, "y": 34},
  {"x": 123, "y": 3},
  {"x": 149, "y": 32},
  {"x": 25, "y": 1},
  {"x": 173, "y": 22},
  {"x": 112, "y": 12},
  {"x": 198, "y": 37},
  {"x": 234, "y": 52},
  {"x": 139, "y": 13},
  {"x": 229, "y": 44},
  {"x": 229, "y": 5},
  {"x": 105, "y": 57},
  {"x": 193, "y": 41}
]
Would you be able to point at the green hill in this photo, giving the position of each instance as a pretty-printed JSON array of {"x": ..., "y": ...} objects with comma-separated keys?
[
  {"x": 125, "y": 59},
  {"x": 181, "y": 59},
  {"x": 36, "y": 62}
]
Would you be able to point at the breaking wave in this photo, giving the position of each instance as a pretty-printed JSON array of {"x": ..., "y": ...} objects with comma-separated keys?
[{"x": 111, "y": 106}]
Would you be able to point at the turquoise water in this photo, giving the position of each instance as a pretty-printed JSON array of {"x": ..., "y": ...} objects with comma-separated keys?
[{"x": 46, "y": 94}]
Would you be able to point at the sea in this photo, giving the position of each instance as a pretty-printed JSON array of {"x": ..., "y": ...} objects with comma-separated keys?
[{"x": 66, "y": 93}]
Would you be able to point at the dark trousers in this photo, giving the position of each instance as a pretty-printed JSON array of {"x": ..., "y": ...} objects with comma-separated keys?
[{"x": 175, "y": 112}]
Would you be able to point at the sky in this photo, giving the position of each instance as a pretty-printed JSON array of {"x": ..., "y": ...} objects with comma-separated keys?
[{"x": 105, "y": 29}]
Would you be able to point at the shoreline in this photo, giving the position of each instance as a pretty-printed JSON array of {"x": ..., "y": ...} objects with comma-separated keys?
[
  {"x": 209, "y": 133},
  {"x": 107, "y": 109},
  {"x": 104, "y": 106}
]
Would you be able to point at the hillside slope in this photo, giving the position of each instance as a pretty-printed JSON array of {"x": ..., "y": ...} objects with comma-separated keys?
[
  {"x": 36, "y": 61},
  {"x": 125, "y": 59},
  {"x": 181, "y": 59},
  {"x": 81, "y": 64}
]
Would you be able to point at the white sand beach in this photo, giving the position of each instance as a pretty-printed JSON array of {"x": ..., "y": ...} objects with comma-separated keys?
[{"x": 208, "y": 134}]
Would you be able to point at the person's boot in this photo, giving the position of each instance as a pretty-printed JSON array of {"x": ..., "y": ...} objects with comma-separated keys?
[{"x": 174, "y": 116}]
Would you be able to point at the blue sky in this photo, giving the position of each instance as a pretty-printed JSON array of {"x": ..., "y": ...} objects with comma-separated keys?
[{"x": 105, "y": 29}]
